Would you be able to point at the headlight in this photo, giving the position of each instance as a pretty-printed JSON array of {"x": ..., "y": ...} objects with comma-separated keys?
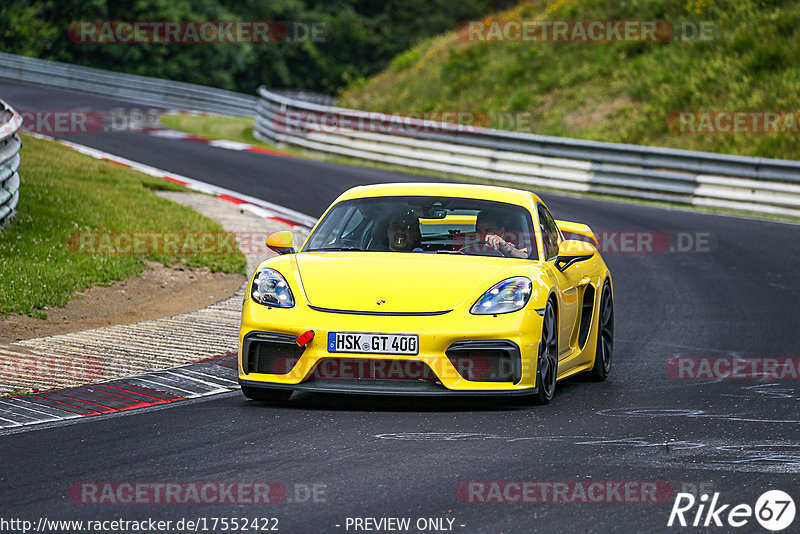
[
  {"x": 504, "y": 297},
  {"x": 270, "y": 289}
]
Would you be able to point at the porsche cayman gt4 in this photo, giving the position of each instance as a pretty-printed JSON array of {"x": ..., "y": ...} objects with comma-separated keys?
[{"x": 428, "y": 289}]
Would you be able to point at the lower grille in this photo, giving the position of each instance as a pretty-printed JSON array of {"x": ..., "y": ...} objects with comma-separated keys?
[
  {"x": 371, "y": 369},
  {"x": 269, "y": 353},
  {"x": 486, "y": 361}
]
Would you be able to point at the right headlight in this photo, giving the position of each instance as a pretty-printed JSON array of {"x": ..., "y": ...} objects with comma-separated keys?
[
  {"x": 270, "y": 289},
  {"x": 504, "y": 297}
]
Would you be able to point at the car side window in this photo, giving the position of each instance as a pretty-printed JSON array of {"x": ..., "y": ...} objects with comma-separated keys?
[
  {"x": 356, "y": 218},
  {"x": 550, "y": 235}
]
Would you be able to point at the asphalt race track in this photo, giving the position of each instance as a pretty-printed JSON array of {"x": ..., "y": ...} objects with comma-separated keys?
[{"x": 731, "y": 295}]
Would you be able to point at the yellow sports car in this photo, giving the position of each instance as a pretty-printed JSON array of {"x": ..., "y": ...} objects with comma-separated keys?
[{"x": 431, "y": 289}]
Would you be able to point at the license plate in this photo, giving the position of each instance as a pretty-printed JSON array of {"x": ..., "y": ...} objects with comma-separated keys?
[{"x": 373, "y": 343}]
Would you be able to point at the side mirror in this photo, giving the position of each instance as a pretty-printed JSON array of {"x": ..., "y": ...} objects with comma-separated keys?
[
  {"x": 572, "y": 251},
  {"x": 281, "y": 242}
]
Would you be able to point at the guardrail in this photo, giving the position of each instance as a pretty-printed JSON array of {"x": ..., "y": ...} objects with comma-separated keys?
[
  {"x": 10, "y": 145},
  {"x": 130, "y": 87},
  {"x": 307, "y": 96},
  {"x": 760, "y": 185}
]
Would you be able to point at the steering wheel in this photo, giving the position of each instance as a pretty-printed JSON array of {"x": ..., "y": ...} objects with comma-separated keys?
[{"x": 480, "y": 249}]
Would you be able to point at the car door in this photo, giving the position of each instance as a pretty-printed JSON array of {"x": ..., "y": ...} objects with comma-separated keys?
[{"x": 566, "y": 282}]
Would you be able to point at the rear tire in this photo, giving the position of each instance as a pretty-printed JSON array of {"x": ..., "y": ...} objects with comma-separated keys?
[
  {"x": 605, "y": 336},
  {"x": 547, "y": 365},
  {"x": 263, "y": 394}
]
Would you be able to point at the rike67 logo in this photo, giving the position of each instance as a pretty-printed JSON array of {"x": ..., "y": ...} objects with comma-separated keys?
[{"x": 774, "y": 510}]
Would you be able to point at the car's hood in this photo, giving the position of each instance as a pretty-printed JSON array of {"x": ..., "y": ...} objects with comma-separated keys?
[{"x": 401, "y": 282}]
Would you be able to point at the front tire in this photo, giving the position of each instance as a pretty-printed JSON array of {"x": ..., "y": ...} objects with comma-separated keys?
[
  {"x": 263, "y": 394},
  {"x": 547, "y": 365},
  {"x": 605, "y": 336}
]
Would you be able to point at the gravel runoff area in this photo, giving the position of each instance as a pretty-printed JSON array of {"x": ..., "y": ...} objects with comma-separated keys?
[{"x": 101, "y": 354}]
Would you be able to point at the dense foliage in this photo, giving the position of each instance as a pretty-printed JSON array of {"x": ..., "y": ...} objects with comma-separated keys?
[{"x": 361, "y": 36}]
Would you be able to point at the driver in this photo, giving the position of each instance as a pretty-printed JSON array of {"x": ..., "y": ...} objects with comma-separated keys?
[
  {"x": 491, "y": 227},
  {"x": 403, "y": 233}
]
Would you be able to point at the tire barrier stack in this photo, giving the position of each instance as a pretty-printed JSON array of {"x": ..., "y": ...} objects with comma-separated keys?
[{"x": 10, "y": 145}]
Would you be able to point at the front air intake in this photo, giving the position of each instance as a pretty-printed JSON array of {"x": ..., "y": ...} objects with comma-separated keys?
[
  {"x": 486, "y": 361},
  {"x": 269, "y": 353}
]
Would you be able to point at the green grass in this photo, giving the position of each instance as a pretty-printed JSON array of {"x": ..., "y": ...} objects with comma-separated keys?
[
  {"x": 238, "y": 129},
  {"x": 619, "y": 91},
  {"x": 64, "y": 193},
  {"x": 231, "y": 128}
]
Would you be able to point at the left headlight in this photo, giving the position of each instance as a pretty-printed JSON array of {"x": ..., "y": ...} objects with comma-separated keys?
[
  {"x": 270, "y": 289},
  {"x": 504, "y": 297}
]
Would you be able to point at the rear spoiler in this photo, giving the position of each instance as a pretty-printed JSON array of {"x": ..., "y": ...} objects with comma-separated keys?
[{"x": 577, "y": 228}]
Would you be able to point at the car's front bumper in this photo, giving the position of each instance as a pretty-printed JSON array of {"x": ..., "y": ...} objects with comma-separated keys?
[
  {"x": 444, "y": 341},
  {"x": 383, "y": 387}
]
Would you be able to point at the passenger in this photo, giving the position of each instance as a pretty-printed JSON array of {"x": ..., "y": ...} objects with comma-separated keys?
[
  {"x": 403, "y": 233},
  {"x": 491, "y": 227}
]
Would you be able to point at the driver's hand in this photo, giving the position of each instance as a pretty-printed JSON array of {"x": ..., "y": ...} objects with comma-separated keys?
[{"x": 496, "y": 242}]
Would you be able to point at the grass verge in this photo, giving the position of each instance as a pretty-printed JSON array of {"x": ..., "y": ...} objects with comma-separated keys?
[
  {"x": 231, "y": 128},
  {"x": 65, "y": 193}
]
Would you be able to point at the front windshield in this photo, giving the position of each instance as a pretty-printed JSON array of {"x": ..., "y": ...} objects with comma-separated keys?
[{"x": 435, "y": 225}]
